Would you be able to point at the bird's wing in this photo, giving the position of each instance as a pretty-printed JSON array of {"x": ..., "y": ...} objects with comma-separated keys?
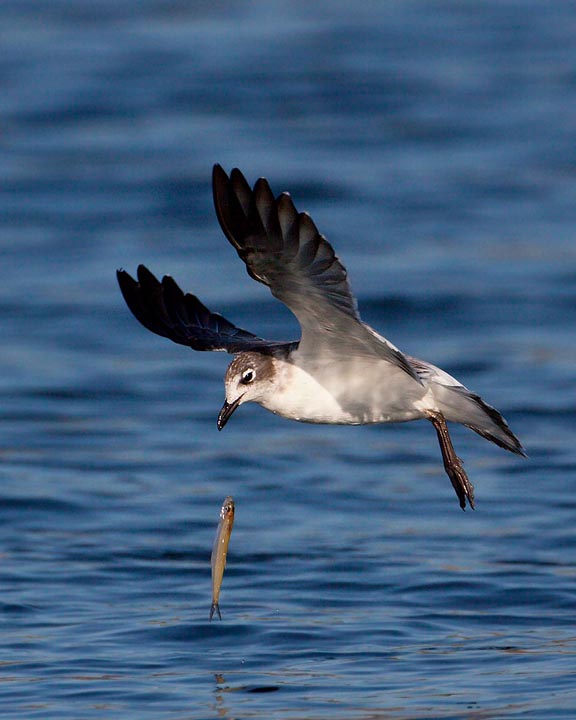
[
  {"x": 284, "y": 250},
  {"x": 164, "y": 309}
]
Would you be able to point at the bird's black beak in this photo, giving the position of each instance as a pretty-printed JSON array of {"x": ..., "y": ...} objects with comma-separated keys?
[{"x": 226, "y": 413}]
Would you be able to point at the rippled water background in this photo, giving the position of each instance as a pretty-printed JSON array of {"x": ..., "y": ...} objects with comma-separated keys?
[{"x": 434, "y": 143}]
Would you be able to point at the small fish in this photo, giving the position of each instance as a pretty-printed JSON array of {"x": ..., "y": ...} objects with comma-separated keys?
[{"x": 219, "y": 551}]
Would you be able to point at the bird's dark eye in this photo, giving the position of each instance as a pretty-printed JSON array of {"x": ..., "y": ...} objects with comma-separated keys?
[{"x": 247, "y": 376}]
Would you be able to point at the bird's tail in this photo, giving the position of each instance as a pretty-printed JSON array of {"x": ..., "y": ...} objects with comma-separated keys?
[{"x": 458, "y": 404}]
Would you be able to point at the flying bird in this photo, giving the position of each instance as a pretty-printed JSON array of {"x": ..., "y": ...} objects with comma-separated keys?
[{"x": 341, "y": 371}]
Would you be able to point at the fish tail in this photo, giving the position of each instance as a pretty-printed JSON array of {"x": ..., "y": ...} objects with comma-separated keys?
[{"x": 215, "y": 608}]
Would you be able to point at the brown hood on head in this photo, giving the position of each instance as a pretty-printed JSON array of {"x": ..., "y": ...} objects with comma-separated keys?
[{"x": 262, "y": 364}]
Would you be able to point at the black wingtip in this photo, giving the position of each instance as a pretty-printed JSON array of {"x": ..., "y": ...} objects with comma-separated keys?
[
  {"x": 232, "y": 198},
  {"x": 218, "y": 173},
  {"x": 127, "y": 285},
  {"x": 121, "y": 274}
]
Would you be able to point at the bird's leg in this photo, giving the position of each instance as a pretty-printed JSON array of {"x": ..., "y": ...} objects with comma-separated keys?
[{"x": 452, "y": 463}]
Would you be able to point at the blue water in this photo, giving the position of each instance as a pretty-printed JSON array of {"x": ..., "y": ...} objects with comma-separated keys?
[{"x": 434, "y": 144}]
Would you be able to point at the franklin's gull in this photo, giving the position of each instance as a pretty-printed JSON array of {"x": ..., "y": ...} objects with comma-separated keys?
[{"x": 341, "y": 371}]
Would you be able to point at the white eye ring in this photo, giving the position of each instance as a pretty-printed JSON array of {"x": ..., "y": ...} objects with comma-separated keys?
[{"x": 247, "y": 376}]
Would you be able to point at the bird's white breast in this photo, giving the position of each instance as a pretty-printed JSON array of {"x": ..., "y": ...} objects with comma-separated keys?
[
  {"x": 299, "y": 396},
  {"x": 349, "y": 393}
]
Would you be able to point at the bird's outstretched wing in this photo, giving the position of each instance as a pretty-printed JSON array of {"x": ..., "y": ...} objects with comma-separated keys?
[
  {"x": 163, "y": 308},
  {"x": 284, "y": 250}
]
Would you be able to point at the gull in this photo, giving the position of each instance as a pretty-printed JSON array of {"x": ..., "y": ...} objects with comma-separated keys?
[{"x": 341, "y": 371}]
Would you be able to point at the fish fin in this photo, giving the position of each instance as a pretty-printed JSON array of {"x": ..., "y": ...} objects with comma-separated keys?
[{"x": 215, "y": 608}]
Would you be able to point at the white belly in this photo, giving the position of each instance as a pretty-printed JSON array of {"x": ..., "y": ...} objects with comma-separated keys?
[{"x": 353, "y": 393}]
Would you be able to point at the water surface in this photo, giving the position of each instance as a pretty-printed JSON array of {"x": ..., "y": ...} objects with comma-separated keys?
[{"x": 433, "y": 142}]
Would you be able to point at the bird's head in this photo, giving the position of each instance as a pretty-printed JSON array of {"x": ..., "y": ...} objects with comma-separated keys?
[{"x": 249, "y": 378}]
